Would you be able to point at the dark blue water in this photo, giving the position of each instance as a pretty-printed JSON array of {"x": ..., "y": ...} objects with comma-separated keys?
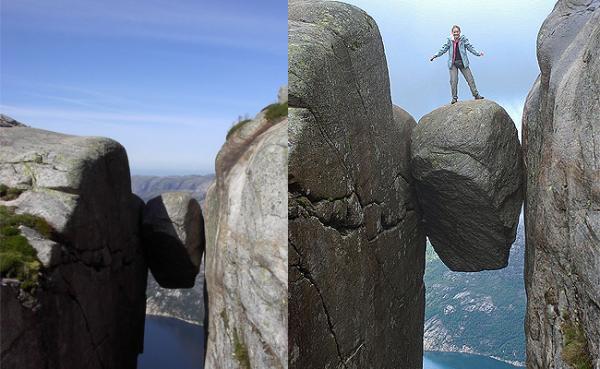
[
  {"x": 172, "y": 343},
  {"x": 453, "y": 360}
]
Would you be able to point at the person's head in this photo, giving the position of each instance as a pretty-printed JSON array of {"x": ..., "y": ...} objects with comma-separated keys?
[{"x": 455, "y": 31}]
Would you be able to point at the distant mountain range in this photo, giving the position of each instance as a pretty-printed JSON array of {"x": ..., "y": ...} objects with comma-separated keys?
[
  {"x": 184, "y": 304},
  {"x": 477, "y": 312},
  {"x": 148, "y": 187}
]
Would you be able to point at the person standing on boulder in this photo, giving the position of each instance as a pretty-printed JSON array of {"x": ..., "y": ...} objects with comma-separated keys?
[{"x": 457, "y": 46}]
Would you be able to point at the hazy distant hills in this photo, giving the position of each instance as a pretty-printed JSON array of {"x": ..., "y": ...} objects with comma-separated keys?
[
  {"x": 477, "y": 312},
  {"x": 148, "y": 187},
  {"x": 185, "y": 304}
]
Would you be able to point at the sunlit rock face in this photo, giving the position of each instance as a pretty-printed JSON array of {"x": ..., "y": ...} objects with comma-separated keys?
[
  {"x": 356, "y": 245},
  {"x": 467, "y": 163},
  {"x": 89, "y": 307},
  {"x": 561, "y": 141},
  {"x": 246, "y": 250}
]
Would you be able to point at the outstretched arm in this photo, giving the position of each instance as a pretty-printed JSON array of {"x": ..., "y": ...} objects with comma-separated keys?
[
  {"x": 445, "y": 47},
  {"x": 470, "y": 47}
]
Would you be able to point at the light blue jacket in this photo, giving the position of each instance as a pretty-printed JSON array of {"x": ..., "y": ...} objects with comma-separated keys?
[{"x": 463, "y": 46}]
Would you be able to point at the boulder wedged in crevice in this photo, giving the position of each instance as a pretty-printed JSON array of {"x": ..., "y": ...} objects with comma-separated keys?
[
  {"x": 467, "y": 164},
  {"x": 173, "y": 236}
]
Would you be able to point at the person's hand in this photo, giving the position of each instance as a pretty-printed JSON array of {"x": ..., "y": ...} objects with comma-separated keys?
[
  {"x": 481, "y": 53},
  {"x": 433, "y": 57}
]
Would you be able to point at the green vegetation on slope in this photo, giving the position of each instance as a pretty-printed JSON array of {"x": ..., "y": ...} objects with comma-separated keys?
[
  {"x": 9, "y": 193},
  {"x": 272, "y": 113},
  {"x": 275, "y": 111},
  {"x": 575, "y": 347},
  {"x": 240, "y": 351},
  {"x": 18, "y": 259},
  {"x": 237, "y": 126}
]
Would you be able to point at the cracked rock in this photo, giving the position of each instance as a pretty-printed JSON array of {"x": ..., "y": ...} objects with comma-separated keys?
[
  {"x": 467, "y": 163},
  {"x": 246, "y": 251},
  {"x": 88, "y": 308},
  {"x": 355, "y": 241},
  {"x": 173, "y": 234},
  {"x": 561, "y": 130}
]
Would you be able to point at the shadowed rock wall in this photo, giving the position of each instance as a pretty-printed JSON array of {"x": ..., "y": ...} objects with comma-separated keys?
[
  {"x": 89, "y": 308},
  {"x": 561, "y": 137},
  {"x": 356, "y": 247}
]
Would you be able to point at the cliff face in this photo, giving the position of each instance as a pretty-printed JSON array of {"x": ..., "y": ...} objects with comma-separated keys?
[
  {"x": 561, "y": 132},
  {"x": 246, "y": 252},
  {"x": 87, "y": 307},
  {"x": 356, "y": 247}
]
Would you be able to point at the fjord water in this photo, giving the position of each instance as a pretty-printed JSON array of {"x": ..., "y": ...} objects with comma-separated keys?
[
  {"x": 455, "y": 360},
  {"x": 172, "y": 343}
]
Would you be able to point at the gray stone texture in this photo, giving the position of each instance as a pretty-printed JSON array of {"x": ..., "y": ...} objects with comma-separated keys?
[
  {"x": 246, "y": 250},
  {"x": 467, "y": 164},
  {"x": 89, "y": 308},
  {"x": 356, "y": 295},
  {"x": 173, "y": 236},
  {"x": 561, "y": 140},
  {"x": 6, "y": 121}
]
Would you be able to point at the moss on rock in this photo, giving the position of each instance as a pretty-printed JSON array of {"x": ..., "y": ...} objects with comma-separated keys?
[
  {"x": 9, "y": 193},
  {"x": 240, "y": 351},
  {"x": 18, "y": 259},
  {"x": 237, "y": 126},
  {"x": 575, "y": 347},
  {"x": 275, "y": 111}
]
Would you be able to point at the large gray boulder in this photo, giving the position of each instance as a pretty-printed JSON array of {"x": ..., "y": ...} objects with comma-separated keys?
[
  {"x": 356, "y": 295},
  {"x": 173, "y": 233},
  {"x": 467, "y": 162},
  {"x": 561, "y": 140},
  {"x": 88, "y": 310},
  {"x": 246, "y": 250}
]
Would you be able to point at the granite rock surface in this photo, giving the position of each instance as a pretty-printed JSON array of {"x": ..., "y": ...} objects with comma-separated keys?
[
  {"x": 356, "y": 295},
  {"x": 561, "y": 141},
  {"x": 467, "y": 163}
]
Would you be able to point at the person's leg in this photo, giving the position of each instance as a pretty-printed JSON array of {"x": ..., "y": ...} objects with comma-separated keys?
[
  {"x": 466, "y": 72},
  {"x": 454, "y": 83}
]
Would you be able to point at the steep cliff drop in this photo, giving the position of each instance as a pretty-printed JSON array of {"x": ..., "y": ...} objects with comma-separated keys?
[
  {"x": 561, "y": 139},
  {"x": 356, "y": 247},
  {"x": 467, "y": 163},
  {"x": 74, "y": 273},
  {"x": 246, "y": 251}
]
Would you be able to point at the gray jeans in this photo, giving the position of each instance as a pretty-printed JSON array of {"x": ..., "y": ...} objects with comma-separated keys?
[{"x": 466, "y": 72}]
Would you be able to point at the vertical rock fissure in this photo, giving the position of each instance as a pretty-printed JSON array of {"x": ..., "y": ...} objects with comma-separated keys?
[
  {"x": 73, "y": 296},
  {"x": 306, "y": 274}
]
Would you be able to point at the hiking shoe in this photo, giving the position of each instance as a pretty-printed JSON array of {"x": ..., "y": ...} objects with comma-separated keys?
[
  {"x": 479, "y": 97},
  {"x": 454, "y": 100}
]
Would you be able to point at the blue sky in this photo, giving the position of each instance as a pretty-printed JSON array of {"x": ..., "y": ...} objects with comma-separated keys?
[
  {"x": 505, "y": 30},
  {"x": 165, "y": 78}
]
